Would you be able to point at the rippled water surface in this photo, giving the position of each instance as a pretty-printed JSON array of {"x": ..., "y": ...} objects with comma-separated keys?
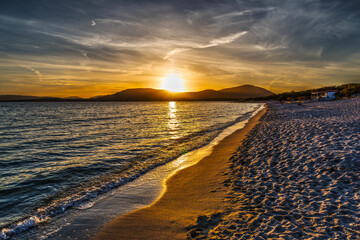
[{"x": 58, "y": 154}]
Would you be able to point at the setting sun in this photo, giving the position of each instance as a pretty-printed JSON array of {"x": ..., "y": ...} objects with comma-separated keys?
[{"x": 172, "y": 82}]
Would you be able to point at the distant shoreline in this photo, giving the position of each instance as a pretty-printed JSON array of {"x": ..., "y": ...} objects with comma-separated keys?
[
  {"x": 150, "y": 94},
  {"x": 178, "y": 100}
]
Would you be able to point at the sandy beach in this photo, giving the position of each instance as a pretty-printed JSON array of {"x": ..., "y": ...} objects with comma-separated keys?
[
  {"x": 192, "y": 192},
  {"x": 296, "y": 175}
]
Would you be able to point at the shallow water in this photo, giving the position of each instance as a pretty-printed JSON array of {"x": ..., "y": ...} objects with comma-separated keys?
[{"x": 54, "y": 156}]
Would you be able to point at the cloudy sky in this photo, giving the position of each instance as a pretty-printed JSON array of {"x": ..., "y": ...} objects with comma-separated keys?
[{"x": 94, "y": 47}]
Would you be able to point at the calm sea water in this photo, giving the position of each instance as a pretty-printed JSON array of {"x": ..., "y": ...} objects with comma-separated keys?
[{"x": 54, "y": 156}]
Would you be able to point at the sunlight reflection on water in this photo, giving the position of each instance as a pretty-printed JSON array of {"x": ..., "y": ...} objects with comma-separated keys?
[{"x": 173, "y": 122}]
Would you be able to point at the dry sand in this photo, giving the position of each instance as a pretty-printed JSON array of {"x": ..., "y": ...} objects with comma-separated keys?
[
  {"x": 296, "y": 176},
  {"x": 191, "y": 194}
]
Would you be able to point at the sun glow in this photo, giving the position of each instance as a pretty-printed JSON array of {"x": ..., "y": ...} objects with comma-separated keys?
[{"x": 173, "y": 83}]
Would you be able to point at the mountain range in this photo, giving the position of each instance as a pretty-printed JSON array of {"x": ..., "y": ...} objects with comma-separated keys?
[{"x": 150, "y": 94}]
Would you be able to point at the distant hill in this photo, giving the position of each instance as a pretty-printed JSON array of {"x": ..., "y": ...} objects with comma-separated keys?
[
  {"x": 150, "y": 94},
  {"x": 202, "y": 95},
  {"x": 137, "y": 94},
  {"x": 74, "y": 98},
  {"x": 14, "y": 98},
  {"x": 246, "y": 91}
]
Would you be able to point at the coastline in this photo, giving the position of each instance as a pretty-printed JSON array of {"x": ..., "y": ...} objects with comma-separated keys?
[{"x": 191, "y": 192}]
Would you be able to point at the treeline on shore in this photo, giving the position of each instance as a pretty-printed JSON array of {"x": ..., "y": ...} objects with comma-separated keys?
[{"x": 345, "y": 90}]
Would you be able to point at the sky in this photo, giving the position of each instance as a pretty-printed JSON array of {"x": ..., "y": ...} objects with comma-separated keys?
[{"x": 95, "y": 47}]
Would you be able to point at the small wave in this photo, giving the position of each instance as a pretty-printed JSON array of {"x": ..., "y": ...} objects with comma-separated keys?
[{"x": 30, "y": 222}]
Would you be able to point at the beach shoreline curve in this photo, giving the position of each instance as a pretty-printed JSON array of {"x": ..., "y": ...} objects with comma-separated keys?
[{"x": 189, "y": 193}]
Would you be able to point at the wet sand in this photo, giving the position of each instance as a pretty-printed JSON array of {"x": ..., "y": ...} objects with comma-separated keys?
[{"x": 190, "y": 194}]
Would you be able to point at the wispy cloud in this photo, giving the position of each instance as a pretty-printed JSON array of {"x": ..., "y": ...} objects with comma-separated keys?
[
  {"x": 244, "y": 12},
  {"x": 224, "y": 40},
  {"x": 38, "y": 73},
  {"x": 175, "y": 51},
  {"x": 191, "y": 16},
  {"x": 213, "y": 43}
]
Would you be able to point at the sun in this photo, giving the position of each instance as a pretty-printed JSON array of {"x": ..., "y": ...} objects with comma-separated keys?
[{"x": 173, "y": 83}]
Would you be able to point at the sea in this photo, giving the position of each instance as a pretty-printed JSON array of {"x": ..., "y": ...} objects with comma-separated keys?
[{"x": 57, "y": 156}]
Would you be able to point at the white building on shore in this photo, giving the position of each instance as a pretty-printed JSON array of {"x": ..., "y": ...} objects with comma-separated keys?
[{"x": 327, "y": 95}]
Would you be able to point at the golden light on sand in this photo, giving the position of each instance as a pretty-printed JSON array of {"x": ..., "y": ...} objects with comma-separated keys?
[{"x": 173, "y": 83}]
